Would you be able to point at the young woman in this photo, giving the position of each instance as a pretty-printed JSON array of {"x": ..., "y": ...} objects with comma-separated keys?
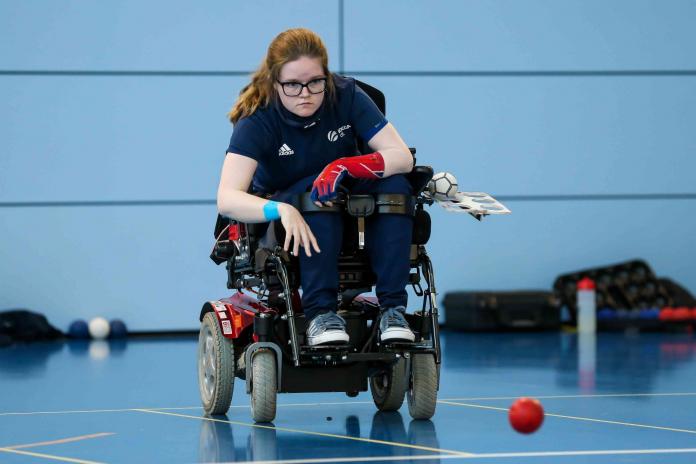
[{"x": 295, "y": 129}]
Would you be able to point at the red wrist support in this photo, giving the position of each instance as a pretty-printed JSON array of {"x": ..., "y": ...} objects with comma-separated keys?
[{"x": 370, "y": 166}]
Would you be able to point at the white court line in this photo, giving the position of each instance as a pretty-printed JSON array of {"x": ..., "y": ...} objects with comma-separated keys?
[
  {"x": 606, "y": 395},
  {"x": 587, "y": 419},
  {"x": 531, "y": 454},
  {"x": 61, "y": 441},
  {"x": 47, "y": 456},
  {"x": 309, "y": 432}
]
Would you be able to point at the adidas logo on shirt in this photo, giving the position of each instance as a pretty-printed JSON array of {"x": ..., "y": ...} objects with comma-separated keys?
[{"x": 285, "y": 150}]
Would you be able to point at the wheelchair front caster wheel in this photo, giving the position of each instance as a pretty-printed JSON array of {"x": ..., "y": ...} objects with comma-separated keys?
[
  {"x": 389, "y": 387},
  {"x": 422, "y": 393},
  {"x": 264, "y": 386},
  {"x": 215, "y": 367}
]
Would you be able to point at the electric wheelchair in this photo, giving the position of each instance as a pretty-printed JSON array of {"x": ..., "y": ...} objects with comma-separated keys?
[{"x": 258, "y": 333}]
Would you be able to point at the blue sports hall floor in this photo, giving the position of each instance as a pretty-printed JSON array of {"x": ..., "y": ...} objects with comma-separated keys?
[{"x": 619, "y": 398}]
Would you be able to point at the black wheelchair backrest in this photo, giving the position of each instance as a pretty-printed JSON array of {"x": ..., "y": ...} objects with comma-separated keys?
[{"x": 375, "y": 95}]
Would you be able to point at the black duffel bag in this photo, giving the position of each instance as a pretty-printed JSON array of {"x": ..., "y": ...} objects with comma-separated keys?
[{"x": 20, "y": 325}]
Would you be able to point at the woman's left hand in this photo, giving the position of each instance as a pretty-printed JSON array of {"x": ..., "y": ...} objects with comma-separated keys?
[{"x": 297, "y": 231}]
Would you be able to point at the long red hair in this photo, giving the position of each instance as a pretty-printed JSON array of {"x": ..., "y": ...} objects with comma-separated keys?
[{"x": 287, "y": 46}]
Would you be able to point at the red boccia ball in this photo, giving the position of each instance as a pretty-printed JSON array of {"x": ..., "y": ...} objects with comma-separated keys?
[
  {"x": 667, "y": 314},
  {"x": 682, "y": 313},
  {"x": 526, "y": 415}
]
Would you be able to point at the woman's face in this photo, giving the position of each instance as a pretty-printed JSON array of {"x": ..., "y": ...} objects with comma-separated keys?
[{"x": 304, "y": 70}]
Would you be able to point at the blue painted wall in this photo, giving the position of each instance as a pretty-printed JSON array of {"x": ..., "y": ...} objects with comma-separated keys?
[{"x": 517, "y": 115}]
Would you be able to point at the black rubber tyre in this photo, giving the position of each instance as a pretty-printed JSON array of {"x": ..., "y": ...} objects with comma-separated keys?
[
  {"x": 422, "y": 393},
  {"x": 215, "y": 367},
  {"x": 264, "y": 385},
  {"x": 388, "y": 389}
]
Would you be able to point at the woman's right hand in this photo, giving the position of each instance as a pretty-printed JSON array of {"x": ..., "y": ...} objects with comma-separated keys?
[{"x": 297, "y": 230}]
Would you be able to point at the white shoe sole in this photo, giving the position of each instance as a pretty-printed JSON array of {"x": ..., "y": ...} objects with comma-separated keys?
[
  {"x": 330, "y": 336},
  {"x": 397, "y": 334}
]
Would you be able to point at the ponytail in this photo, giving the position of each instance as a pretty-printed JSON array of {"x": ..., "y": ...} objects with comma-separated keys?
[{"x": 256, "y": 94}]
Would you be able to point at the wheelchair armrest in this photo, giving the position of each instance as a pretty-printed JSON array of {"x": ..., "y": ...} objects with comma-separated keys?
[
  {"x": 220, "y": 225},
  {"x": 255, "y": 230},
  {"x": 419, "y": 178}
]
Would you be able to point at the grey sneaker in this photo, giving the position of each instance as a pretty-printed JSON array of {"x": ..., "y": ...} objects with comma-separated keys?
[
  {"x": 327, "y": 328},
  {"x": 393, "y": 325}
]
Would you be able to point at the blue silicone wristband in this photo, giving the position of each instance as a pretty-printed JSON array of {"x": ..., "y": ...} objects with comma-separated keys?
[{"x": 270, "y": 210}]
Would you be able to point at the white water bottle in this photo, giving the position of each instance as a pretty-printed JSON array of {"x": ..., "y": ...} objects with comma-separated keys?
[{"x": 587, "y": 309}]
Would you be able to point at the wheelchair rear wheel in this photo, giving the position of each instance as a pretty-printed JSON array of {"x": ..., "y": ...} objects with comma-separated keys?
[
  {"x": 388, "y": 388},
  {"x": 215, "y": 367},
  {"x": 422, "y": 393},
  {"x": 264, "y": 386}
]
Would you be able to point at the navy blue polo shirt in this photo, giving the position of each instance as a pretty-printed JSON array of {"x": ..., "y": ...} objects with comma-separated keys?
[{"x": 288, "y": 147}]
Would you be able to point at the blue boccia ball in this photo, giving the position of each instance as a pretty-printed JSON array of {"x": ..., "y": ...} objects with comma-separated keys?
[
  {"x": 78, "y": 329},
  {"x": 118, "y": 329}
]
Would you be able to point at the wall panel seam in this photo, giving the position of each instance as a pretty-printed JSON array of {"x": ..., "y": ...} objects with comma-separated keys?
[
  {"x": 510, "y": 198},
  {"x": 482, "y": 73}
]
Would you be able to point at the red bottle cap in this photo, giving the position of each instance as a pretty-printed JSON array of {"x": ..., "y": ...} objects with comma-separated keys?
[{"x": 586, "y": 284}]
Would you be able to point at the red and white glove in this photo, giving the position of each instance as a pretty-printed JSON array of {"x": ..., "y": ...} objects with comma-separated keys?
[{"x": 362, "y": 167}]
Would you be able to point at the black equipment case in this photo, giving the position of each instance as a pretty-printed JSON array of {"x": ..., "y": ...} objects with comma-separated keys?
[{"x": 488, "y": 311}]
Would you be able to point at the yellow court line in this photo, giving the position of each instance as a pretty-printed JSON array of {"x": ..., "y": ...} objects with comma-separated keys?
[
  {"x": 283, "y": 405},
  {"x": 90, "y": 411},
  {"x": 605, "y": 395},
  {"x": 328, "y": 403},
  {"x": 48, "y": 456},
  {"x": 74, "y": 411},
  {"x": 62, "y": 440},
  {"x": 412, "y": 457},
  {"x": 338, "y": 403},
  {"x": 309, "y": 432},
  {"x": 334, "y": 403},
  {"x": 588, "y": 419}
]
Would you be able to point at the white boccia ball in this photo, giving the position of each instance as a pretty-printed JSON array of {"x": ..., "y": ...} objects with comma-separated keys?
[
  {"x": 99, "y": 328},
  {"x": 443, "y": 186}
]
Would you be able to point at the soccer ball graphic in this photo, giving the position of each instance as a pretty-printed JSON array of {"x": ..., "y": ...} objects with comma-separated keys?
[{"x": 443, "y": 186}]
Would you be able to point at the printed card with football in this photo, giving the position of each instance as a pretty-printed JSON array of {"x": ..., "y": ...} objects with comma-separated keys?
[{"x": 475, "y": 203}]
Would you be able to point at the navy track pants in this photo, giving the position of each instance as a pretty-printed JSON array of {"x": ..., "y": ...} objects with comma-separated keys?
[{"x": 387, "y": 241}]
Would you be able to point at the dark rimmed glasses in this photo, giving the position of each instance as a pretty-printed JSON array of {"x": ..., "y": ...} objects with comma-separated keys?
[{"x": 294, "y": 89}]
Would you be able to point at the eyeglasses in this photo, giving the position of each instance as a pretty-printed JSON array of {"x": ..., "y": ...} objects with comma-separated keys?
[{"x": 294, "y": 89}]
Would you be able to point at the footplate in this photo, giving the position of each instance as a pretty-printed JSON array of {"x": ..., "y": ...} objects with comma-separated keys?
[{"x": 422, "y": 347}]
